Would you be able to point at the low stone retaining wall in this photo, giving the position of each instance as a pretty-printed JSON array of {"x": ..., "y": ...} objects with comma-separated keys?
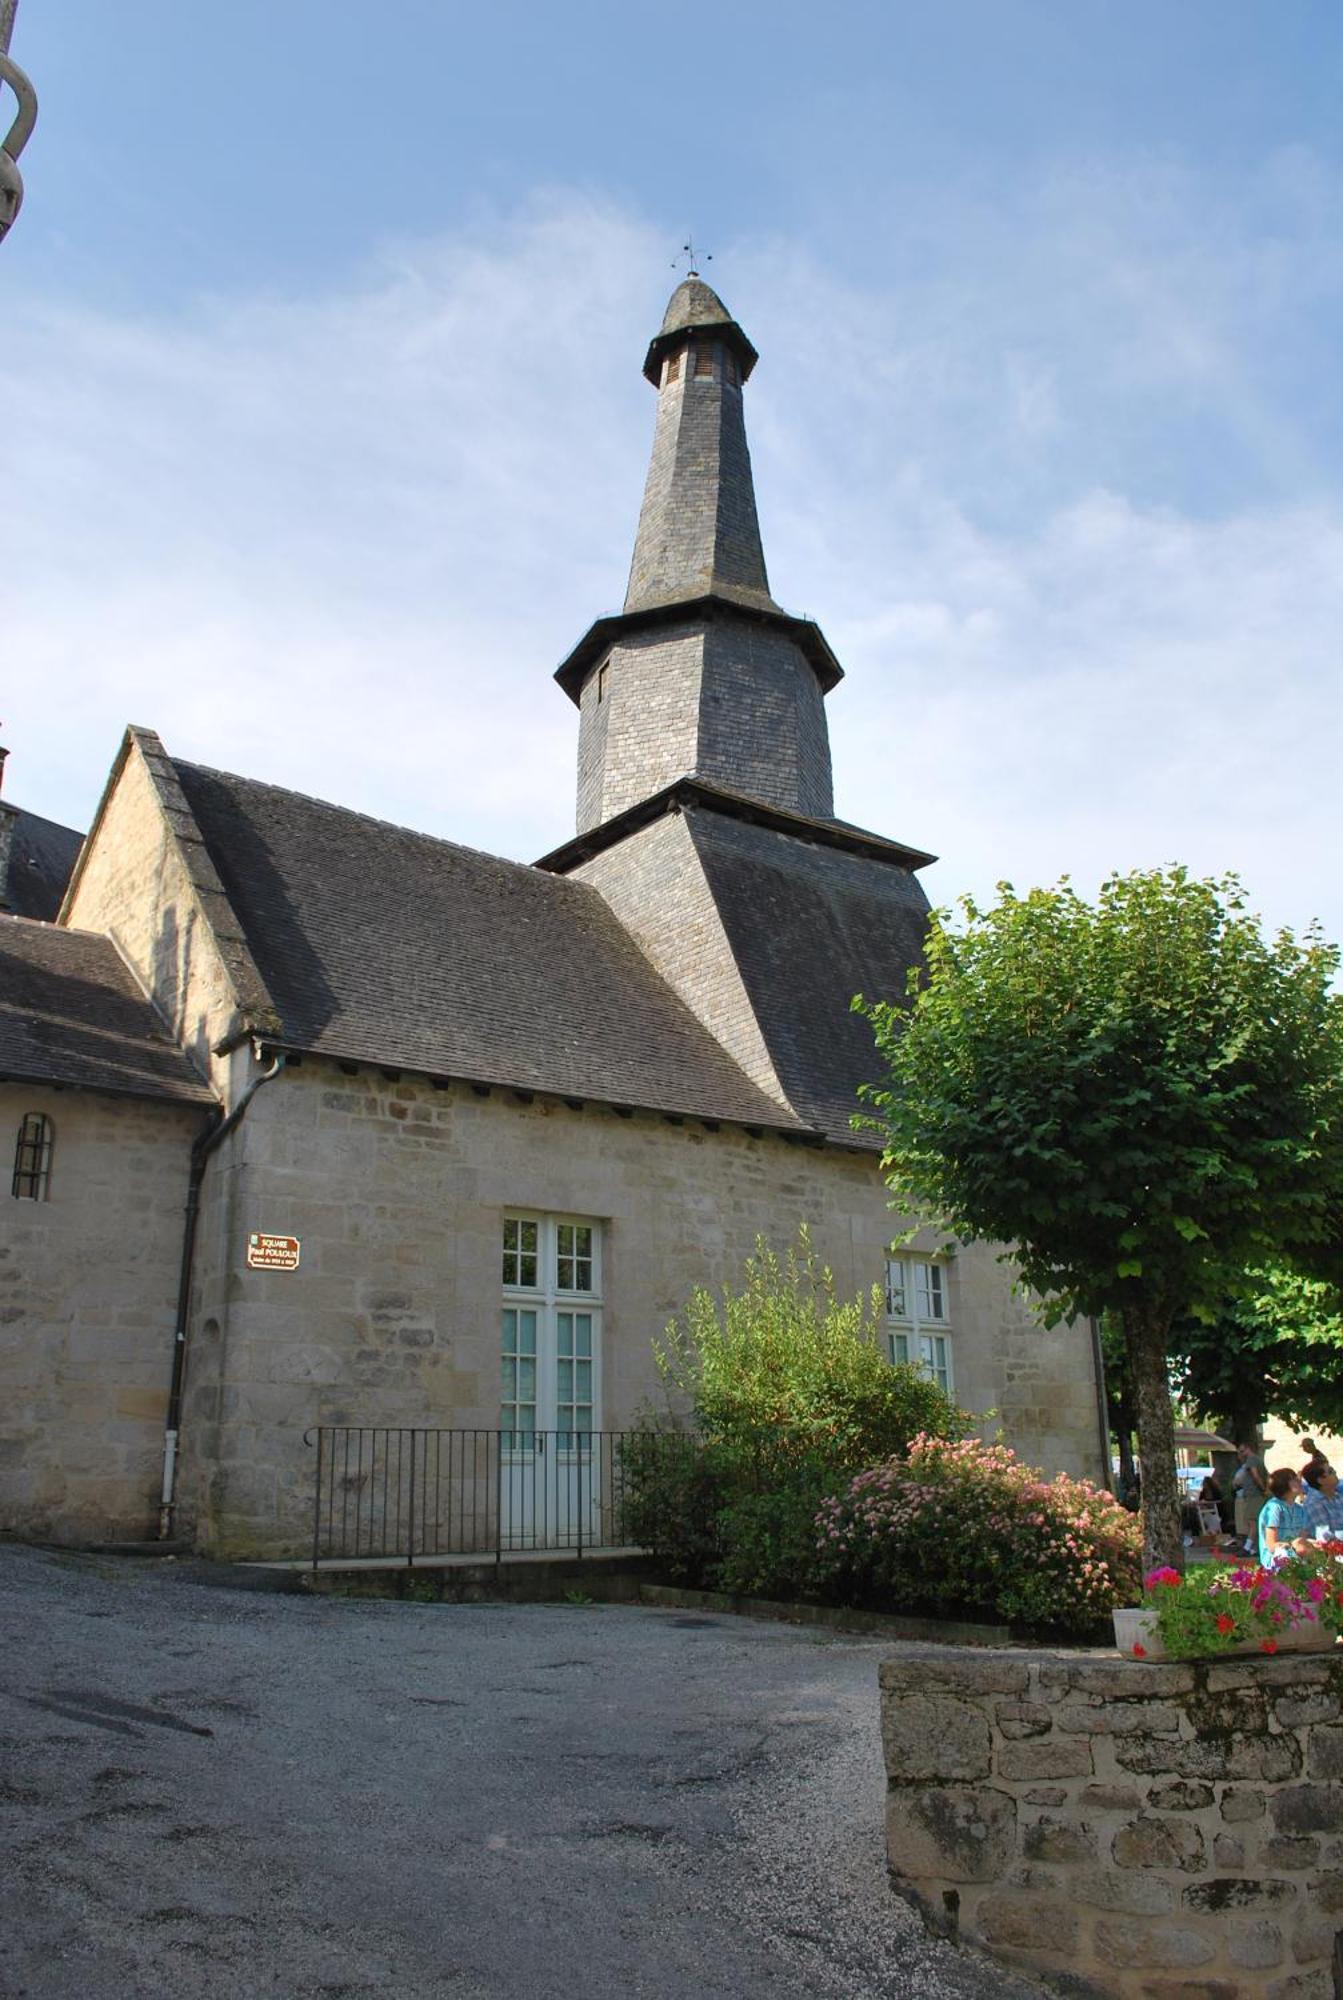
[{"x": 1167, "y": 1831}]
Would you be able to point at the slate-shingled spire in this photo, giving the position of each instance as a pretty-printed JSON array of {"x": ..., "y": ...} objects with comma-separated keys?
[
  {"x": 698, "y": 530},
  {"x": 702, "y": 674}
]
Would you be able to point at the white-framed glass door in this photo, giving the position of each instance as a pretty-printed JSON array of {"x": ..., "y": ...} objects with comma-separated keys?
[{"x": 550, "y": 1385}]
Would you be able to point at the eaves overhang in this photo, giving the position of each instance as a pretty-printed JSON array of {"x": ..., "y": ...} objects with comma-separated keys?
[
  {"x": 686, "y": 793},
  {"x": 601, "y": 636},
  {"x": 717, "y": 329}
]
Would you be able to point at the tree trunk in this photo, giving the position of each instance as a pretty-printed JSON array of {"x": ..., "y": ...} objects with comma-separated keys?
[
  {"x": 1146, "y": 1333},
  {"x": 1124, "y": 1424}
]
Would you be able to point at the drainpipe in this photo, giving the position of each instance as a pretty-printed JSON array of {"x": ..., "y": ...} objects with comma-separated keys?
[{"x": 209, "y": 1140}]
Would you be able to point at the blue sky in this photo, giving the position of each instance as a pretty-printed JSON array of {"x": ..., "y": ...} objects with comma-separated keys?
[{"x": 326, "y": 433}]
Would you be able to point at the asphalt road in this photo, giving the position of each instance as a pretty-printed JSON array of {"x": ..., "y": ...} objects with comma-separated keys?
[{"x": 209, "y": 1793}]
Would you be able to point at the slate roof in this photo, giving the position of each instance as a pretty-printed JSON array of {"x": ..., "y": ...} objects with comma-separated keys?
[
  {"x": 691, "y": 305},
  {"x": 809, "y": 927},
  {"x": 377, "y": 944},
  {"x": 42, "y": 856},
  {"x": 71, "y": 1014}
]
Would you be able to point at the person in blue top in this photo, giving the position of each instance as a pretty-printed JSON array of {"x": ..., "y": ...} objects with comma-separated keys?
[
  {"x": 1283, "y": 1526},
  {"x": 1321, "y": 1502}
]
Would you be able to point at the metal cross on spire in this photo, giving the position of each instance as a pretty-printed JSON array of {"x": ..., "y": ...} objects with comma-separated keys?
[
  {"x": 21, "y": 128},
  {"x": 687, "y": 250}
]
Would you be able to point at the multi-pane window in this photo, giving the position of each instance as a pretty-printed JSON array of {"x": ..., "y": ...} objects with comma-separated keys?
[
  {"x": 517, "y": 1405},
  {"x": 551, "y": 1329},
  {"x": 520, "y": 1251},
  {"x": 573, "y": 1256},
  {"x": 916, "y": 1316},
  {"x": 32, "y": 1157}
]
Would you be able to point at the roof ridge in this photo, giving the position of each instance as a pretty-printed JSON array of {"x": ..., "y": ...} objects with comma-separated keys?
[{"x": 353, "y": 812}]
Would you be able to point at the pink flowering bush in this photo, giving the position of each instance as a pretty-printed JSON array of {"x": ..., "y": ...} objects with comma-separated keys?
[
  {"x": 962, "y": 1529},
  {"x": 1217, "y": 1605}
]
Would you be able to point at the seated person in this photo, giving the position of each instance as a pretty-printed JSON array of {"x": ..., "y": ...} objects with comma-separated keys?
[
  {"x": 1210, "y": 1507},
  {"x": 1314, "y": 1456},
  {"x": 1283, "y": 1528},
  {"x": 1321, "y": 1502}
]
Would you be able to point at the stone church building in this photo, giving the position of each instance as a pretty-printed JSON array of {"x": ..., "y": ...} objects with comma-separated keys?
[{"x": 316, "y": 1120}]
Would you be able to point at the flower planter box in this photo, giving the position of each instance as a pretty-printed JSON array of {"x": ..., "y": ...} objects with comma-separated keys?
[{"x": 1138, "y": 1637}]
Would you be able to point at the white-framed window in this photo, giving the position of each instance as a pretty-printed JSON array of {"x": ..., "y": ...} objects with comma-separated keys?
[
  {"x": 918, "y": 1316},
  {"x": 550, "y": 1327}
]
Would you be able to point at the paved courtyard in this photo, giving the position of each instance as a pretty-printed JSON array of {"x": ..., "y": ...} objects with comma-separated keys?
[{"x": 211, "y": 1792}]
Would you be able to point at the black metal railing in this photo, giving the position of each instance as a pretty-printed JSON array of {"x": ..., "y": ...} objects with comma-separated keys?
[{"x": 401, "y": 1493}]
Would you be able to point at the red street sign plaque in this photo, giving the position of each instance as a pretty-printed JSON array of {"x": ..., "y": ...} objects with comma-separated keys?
[{"x": 272, "y": 1253}]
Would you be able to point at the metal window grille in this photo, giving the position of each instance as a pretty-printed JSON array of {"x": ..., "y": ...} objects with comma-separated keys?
[{"x": 32, "y": 1157}]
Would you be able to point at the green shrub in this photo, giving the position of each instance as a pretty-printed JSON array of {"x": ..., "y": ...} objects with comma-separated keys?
[
  {"x": 784, "y": 1373},
  {"x": 673, "y": 1489},
  {"x": 789, "y": 1392},
  {"x": 768, "y": 1540},
  {"x": 963, "y": 1529}
]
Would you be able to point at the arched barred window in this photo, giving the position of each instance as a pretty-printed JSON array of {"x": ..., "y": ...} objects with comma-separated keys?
[{"x": 32, "y": 1157}]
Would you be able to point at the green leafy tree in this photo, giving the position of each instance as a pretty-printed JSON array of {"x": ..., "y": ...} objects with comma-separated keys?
[
  {"x": 1275, "y": 1346},
  {"x": 1143, "y": 1098}
]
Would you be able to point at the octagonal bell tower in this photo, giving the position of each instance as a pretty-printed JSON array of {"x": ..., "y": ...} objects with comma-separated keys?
[{"x": 701, "y": 674}]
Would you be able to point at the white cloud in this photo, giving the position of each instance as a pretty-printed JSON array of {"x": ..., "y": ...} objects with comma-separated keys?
[{"x": 341, "y": 542}]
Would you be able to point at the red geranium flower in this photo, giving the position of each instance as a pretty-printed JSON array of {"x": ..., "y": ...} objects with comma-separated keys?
[
  {"x": 1268, "y": 1645},
  {"x": 1225, "y": 1624},
  {"x": 1139, "y": 1651}
]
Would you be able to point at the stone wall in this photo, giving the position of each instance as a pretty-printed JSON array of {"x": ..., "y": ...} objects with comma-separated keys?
[
  {"x": 397, "y": 1190},
  {"x": 88, "y": 1291},
  {"x": 1167, "y": 1831},
  {"x": 146, "y": 881}
]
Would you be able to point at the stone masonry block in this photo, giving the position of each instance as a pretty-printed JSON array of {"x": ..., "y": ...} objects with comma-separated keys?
[
  {"x": 1165, "y": 1945},
  {"x": 1131, "y": 1894},
  {"x": 1275, "y": 1758},
  {"x": 1048, "y": 1759},
  {"x": 1302, "y": 1986},
  {"x": 1192, "y": 1989},
  {"x": 1327, "y": 1894},
  {"x": 1288, "y": 1670},
  {"x": 1118, "y": 1718},
  {"x": 1288, "y": 1853},
  {"x": 1256, "y": 1946},
  {"x": 1117, "y": 1680},
  {"x": 959, "y": 1833},
  {"x": 1056, "y": 1840},
  {"x": 1241, "y": 1804},
  {"x": 1180, "y": 1795},
  {"x": 1308, "y": 1809},
  {"x": 1016, "y": 1719},
  {"x": 1231, "y": 1892},
  {"x": 1160, "y": 1843},
  {"x": 929, "y": 1737},
  {"x": 1313, "y": 1935},
  {"x": 1325, "y": 1758},
  {"x": 1030, "y": 1923},
  {"x": 1228, "y": 1850},
  {"x": 968, "y": 1674},
  {"x": 1244, "y": 1709},
  {"x": 1299, "y": 1711},
  {"x": 1111, "y": 1798}
]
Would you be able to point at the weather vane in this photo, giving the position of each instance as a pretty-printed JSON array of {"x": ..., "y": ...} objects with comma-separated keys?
[
  {"x": 687, "y": 250},
  {"x": 20, "y": 130}
]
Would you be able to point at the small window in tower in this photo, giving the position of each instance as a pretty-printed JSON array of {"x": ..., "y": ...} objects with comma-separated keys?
[
  {"x": 674, "y": 366},
  {"x": 601, "y": 682},
  {"x": 730, "y": 368},
  {"x": 704, "y": 358},
  {"x": 32, "y": 1158}
]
